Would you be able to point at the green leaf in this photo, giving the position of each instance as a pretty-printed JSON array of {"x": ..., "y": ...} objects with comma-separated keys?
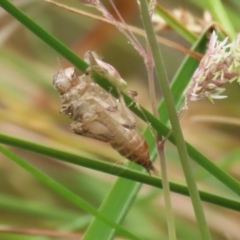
[
  {"x": 64, "y": 192},
  {"x": 143, "y": 114},
  {"x": 206, "y": 163},
  {"x": 173, "y": 117},
  {"x": 183, "y": 76},
  {"x": 113, "y": 170},
  {"x": 175, "y": 24},
  {"x": 219, "y": 14},
  {"x": 124, "y": 192},
  {"x": 23, "y": 207}
]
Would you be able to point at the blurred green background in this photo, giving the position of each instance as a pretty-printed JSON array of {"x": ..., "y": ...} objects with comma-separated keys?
[{"x": 29, "y": 109}]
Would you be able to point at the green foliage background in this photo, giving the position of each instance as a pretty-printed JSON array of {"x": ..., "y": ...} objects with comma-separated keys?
[{"x": 29, "y": 110}]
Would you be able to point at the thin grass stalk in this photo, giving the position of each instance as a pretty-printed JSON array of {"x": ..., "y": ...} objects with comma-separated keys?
[
  {"x": 198, "y": 157},
  {"x": 114, "y": 170},
  {"x": 160, "y": 149},
  {"x": 72, "y": 197},
  {"x": 177, "y": 133},
  {"x": 38, "y": 232},
  {"x": 159, "y": 139},
  {"x": 166, "y": 189},
  {"x": 132, "y": 28}
]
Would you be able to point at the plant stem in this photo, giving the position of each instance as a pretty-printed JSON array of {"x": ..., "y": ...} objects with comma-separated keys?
[
  {"x": 160, "y": 148},
  {"x": 177, "y": 133},
  {"x": 198, "y": 157},
  {"x": 113, "y": 170},
  {"x": 166, "y": 190},
  {"x": 72, "y": 197}
]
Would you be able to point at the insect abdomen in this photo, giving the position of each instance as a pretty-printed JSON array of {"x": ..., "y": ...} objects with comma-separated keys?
[
  {"x": 130, "y": 144},
  {"x": 136, "y": 151}
]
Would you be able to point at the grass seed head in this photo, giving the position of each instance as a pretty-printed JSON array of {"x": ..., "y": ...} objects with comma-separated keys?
[{"x": 220, "y": 64}]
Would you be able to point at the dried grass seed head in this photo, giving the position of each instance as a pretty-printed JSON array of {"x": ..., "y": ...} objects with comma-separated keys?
[
  {"x": 124, "y": 30},
  {"x": 220, "y": 64}
]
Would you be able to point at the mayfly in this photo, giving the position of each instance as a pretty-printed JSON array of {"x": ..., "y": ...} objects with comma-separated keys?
[{"x": 100, "y": 116}]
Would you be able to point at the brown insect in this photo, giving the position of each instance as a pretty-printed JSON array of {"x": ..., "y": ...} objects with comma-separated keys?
[{"x": 100, "y": 116}]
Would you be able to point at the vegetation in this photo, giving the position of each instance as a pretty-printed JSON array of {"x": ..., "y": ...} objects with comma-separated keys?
[{"x": 74, "y": 187}]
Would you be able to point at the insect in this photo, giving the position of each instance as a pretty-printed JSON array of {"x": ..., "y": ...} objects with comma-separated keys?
[{"x": 98, "y": 115}]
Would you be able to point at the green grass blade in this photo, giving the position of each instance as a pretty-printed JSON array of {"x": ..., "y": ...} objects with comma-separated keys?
[
  {"x": 128, "y": 189},
  {"x": 23, "y": 207},
  {"x": 126, "y": 173},
  {"x": 175, "y": 24},
  {"x": 43, "y": 35},
  {"x": 225, "y": 163},
  {"x": 231, "y": 11},
  {"x": 219, "y": 14},
  {"x": 183, "y": 76},
  {"x": 157, "y": 125},
  {"x": 119, "y": 200},
  {"x": 116, "y": 205},
  {"x": 202, "y": 160},
  {"x": 64, "y": 192},
  {"x": 198, "y": 157},
  {"x": 69, "y": 157},
  {"x": 176, "y": 129}
]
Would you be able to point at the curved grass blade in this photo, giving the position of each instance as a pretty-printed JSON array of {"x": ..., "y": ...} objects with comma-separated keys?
[
  {"x": 219, "y": 14},
  {"x": 114, "y": 170},
  {"x": 183, "y": 76},
  {"x": 118, "y": 204},
  {"x": 64, "y": 192},
  {"x": 176, "y": 128},
  {"x": 175, "y": 24},
  {"x": 30, "y": 208},
  {"x": 115, "y": 206},
  {"x": 156, "y": 124}
]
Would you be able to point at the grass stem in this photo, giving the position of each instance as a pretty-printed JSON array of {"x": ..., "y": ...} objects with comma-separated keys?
[{"x": 177, "y": 132}]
